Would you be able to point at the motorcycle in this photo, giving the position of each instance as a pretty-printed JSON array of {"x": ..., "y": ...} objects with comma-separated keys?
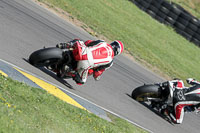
[
  {"x": 61, "y": 61},
  {"x": 156, "y": 97}
]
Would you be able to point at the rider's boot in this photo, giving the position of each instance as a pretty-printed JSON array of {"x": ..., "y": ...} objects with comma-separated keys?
[
  {"x": 77, "y": 78},
  {"x": 169, "y": 113},
  {"x": 63, "y": 71}
]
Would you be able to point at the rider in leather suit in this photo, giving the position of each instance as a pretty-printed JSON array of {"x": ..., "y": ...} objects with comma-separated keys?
[
  {"x": 183, "y": 98},
  {"x": 96, "y": 57}
]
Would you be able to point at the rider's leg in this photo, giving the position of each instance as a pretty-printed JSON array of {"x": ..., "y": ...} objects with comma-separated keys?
[{"x": 82, "y": 71}]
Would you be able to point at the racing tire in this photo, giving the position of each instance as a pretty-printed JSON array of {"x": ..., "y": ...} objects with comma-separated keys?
[
  {"x": 141, "y": 93},
  {"x": 45, "y": 57}
]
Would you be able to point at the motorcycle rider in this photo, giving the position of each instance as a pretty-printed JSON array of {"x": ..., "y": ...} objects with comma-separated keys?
[
  {"x": 96, "y": 56},
  {"x": 182, "y": 98}
]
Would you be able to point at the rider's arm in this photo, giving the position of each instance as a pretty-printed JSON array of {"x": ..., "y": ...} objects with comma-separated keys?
[
  {"x": 67, "y": 44},
  {"x": 90, "y": 43},
  {"x": 192, "y": 81}
]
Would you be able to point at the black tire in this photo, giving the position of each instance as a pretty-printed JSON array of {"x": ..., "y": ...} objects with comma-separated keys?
[
  {"x": 161, "y": 20},
  {"x": 176, "y": 10},
  {"x": 148, "y": 1},
  {"x": 151, "y": 13},
  {"x": 144, "y": 4},
  {"x": 153, "y": 8},
  {"x": 185, "y": 16},
  {"x": 141, "y": 93},
  {"x": 172, "y": 15},
  {"x": 192, "y": 26},
  {"x": 189, "y": 31},
  {"x": 198, "y": 30},
  {"x": 137, "y": 3},
  {"x": 45, "y": 57},
  {"x": 164, "y": 10},
  {"x": 166, "y": 4},
  {"x": 197, "y": 36},
  {"x": 195, "y": 41},
  {"x": 179, "y": 26},
  {"x": 161, "y": 14},
  {"x": 186, "y": 35},
  {"x": 156, "y": 3},
  {"x": 182, "y": 21},
  {"x": 170, "y": 20},
  {"x": 195, "y": 21}
]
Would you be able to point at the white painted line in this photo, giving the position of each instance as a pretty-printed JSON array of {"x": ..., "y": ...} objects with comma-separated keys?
[{"x": 81, "y": 97}]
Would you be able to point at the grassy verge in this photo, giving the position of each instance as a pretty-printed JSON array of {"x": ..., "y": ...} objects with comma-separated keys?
[
  {"x": 150, "y": 42},
  {"x": 32, "y": 110}
]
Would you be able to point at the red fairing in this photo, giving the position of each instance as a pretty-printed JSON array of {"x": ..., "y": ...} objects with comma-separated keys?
[
  {"x": 77, "y": 51},
  {"x": 98, "y": 73},
  {"x": 180, "y": 84}
]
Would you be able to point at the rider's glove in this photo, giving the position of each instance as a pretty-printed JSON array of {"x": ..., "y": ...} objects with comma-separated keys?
[
  {"x": 62, "y": 45},
  {"x": 165, "y": 84}
]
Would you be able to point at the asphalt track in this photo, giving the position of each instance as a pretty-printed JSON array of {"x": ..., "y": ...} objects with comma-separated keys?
[{"x": 26, "y": 27}]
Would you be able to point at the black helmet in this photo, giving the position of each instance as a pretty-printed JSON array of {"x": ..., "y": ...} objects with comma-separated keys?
[{"x": 117, "y": 47}]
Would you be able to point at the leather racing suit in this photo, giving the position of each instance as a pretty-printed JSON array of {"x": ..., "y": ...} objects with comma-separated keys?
[{"x": 95, "y": 57}]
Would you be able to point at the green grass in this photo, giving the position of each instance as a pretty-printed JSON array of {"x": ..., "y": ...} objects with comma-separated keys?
[
  {"x": 145, "y": 38},
  {"x": 33, "y": 110}
]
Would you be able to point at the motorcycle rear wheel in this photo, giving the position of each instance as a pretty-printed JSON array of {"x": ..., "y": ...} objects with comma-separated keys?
[
  {"x": 142, "y": 93},
  {"x": 45, "y": 57}
]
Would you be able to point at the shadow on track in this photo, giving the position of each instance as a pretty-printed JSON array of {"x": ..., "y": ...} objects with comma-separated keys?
[
  {"x": 50, "y": 73},
  {"x": 148, "y": 106}
]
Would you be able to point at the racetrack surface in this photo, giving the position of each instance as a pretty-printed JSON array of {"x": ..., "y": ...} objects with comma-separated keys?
[{"x": 26, "y": 27}]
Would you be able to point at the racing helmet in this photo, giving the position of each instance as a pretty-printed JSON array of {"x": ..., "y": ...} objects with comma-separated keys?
[{"x": 117, "y": 47}]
